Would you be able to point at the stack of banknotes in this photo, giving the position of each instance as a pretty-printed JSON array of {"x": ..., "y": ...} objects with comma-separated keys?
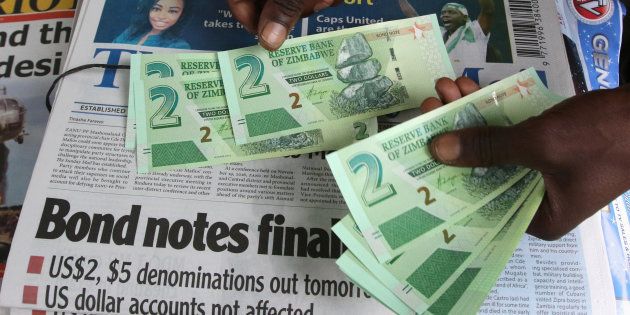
[
  {"x": 423, "y": 237},
  {"x": 316, "y": 93}
]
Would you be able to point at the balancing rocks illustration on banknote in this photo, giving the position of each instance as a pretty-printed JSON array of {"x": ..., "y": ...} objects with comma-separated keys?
[
  {"x": 317, "y": 93},
  {"x": 326, "y": 79}
]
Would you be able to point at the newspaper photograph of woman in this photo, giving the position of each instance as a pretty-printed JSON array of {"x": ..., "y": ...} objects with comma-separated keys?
[
  {"x": 177, "y": 24},
  {"x": 158, "y": 24},
  {"x": 475, "y": 32}
]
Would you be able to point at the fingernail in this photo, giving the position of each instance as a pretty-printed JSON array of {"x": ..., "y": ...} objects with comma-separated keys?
[
  {"x": 274, "y": 34},
  {"x": 447, "y": 148}
]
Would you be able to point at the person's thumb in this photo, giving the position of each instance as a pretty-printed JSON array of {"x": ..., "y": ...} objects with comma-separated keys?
[
  {"x": 276, "y": 21},
  {"x": 483, "y": 146}
]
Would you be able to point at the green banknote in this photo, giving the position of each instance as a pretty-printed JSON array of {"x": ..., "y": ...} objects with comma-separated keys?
[
  {"x": 398, "y": 194},
  {"x": 183, "y": 121},
  {"x": 420, "y": 275},
  {"x": 361, "y": 275},
  {"x": 471, "y": 288},
  {"x": 163, "y": 66},
  {"x": 466, "y": 294},
  {"x": 321, "y": 80}
]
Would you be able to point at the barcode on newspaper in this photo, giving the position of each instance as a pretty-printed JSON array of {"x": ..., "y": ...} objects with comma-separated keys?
[{"x": 525, "y": 26}]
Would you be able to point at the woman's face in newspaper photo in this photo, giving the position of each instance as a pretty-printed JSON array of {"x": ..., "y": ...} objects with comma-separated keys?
[
  {"x": 165, "y": 14},
  {"x": 452, "y": 18}
]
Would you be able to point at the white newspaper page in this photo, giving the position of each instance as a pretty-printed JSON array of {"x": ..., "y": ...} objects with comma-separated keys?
[{"x": 568, "y": 276}]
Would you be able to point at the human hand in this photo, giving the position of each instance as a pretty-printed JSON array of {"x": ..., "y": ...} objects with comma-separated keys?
[
  {"x": 581, "y": 146},
  {"x": 273, "y": 19}
]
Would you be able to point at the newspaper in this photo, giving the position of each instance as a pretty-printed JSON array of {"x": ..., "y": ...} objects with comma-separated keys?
[
  {"x": 561, "y": 277},
  {"x": 95, "y": 237},
  {"x": 34, "y": 39},
  {"x": 542, "y": 278}
]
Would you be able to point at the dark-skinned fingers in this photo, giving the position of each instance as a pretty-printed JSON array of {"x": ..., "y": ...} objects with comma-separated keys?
[
  {"x": 466, "y": 86},
  {"x": 548, "y": 225},
  {"x": 447, "y": 90},
  {"x": 276, "y": 20},
  {"x": 541, "y": 225},
  {"x": 430, "y": 104},
  {"x": 245, "y": 11},
  {"x": 485, "y": 146}
]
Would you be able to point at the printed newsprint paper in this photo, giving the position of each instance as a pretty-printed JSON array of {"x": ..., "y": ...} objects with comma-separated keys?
[
  {"x": 34, "y": 46},
  {"x": 248, "y": 238},
  {"x": 34, "y": 39}
]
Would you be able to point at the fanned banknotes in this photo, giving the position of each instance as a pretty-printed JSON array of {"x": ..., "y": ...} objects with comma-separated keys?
[
  {"x": 466, "y": 294},
  {"x": 472, "y": 287},
  {"x": 183, "y": 120},
  {"x": 424, "y": 272},
  {"x": 398, "y": 194},
  {"x": 322, "y": 80}
]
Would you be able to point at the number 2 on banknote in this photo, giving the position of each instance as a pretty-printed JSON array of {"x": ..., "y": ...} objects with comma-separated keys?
[
  {"x": 252, "y": 87},
  {"x": 374, "y": 191},
  {"x": 163, "y": 117},
  {"x": 160, "y": 68},
  {"x": 206, "y": 134},
  {"x": 361, "y": 129},
  {"x": 427, "y": 197},
  {"x": 296, "y": 100}
]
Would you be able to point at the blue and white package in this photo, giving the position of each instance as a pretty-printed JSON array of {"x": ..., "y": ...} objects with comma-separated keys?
[
  {"x": 592, "y": 32},
  {"x": 616, "y": 229}
]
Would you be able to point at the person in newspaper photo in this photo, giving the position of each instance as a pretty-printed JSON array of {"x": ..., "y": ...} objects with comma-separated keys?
[
  {"x": 465, "y": 39},
  {"x": 583, "y": 153},
  {"x": 158, "y": 23}
]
